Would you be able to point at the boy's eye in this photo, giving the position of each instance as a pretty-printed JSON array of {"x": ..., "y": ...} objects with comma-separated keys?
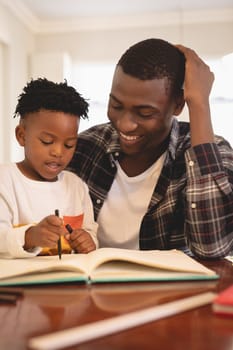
[
  {"x": 69, "y": 146},
  {"x": 46, "y": 142}
]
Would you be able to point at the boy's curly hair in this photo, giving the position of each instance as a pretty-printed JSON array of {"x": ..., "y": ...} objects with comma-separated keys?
[{"x": 44, "y": 94}]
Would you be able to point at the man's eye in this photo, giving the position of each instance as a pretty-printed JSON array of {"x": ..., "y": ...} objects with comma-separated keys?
[
  {"x": 118, "y": 107},
  {"x": 148, "y": 113},
  {"x": 143, "y": 115}
]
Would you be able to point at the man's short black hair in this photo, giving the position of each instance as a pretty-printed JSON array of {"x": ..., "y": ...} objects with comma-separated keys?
[
  {"x": 155, "y": 59},
  {"x": 44, "y": 94}
]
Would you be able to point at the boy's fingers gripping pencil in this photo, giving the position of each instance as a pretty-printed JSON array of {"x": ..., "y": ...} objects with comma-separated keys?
[
  {"x": 69, "y": 228},
  {"x": 59, "y": 240}
]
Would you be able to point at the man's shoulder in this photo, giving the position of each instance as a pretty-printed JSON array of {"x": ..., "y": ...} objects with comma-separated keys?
[
  {"x": 180, "y": 136},
  {"x": 100, "y": 131},
  {"x": 96, "y": 139},
  {"x": 184, "y": 127}
]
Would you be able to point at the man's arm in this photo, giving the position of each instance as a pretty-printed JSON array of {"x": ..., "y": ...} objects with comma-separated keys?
[
  {"x": 197, "y": 87},
  {"x": 209, "y": 163}
]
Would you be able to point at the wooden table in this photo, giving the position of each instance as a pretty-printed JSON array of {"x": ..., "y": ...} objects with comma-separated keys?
[{"x": 43, "y": 310}]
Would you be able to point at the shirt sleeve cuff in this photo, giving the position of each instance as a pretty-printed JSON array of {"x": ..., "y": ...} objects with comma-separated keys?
[{"x": 15, "y": 243}]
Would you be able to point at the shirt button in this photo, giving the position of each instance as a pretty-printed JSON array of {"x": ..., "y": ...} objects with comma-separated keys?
[
  {"x": 98, "y": 201},
  {"x": 193, "y": 205},
  {"x": 117, "y": 154},
  {"x": 191, "y": 163}
]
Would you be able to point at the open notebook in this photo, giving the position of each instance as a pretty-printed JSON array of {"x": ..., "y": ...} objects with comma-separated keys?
[{"x": 104, "y": 265}]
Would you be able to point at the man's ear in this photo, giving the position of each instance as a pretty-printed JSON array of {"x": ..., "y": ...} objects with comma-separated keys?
[
  {"x": 179, "y": 103},
  {"x": 20, "y": 134}
]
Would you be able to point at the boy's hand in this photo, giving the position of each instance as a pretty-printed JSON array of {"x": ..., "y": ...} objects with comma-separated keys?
[
  {"x": 45, "y": 234},
  {"x": 80, "y": 241}
]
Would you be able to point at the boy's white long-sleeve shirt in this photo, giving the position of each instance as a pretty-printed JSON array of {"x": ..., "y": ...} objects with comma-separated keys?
[{"x": 25, "y": 202}]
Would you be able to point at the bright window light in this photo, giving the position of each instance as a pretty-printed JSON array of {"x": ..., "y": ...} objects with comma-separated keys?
[
  {"x": 93, "y": 81},
  {"x": 221, "y": 99}
]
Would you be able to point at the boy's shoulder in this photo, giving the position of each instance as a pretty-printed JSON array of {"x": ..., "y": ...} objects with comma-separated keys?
[
  {"x": 9, "y": 175},
  {"x": 73, "y": 183},
  {"x": 8, "y": 168},
  {"x": 70, "y": 177}
]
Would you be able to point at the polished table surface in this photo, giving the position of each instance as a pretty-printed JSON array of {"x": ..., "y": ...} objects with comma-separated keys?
[{"x": 42, "y": 310}]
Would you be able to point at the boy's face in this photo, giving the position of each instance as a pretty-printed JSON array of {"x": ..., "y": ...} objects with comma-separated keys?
[
  {"x": 142, "y": 112},
  {"x": 49, "y": 139}
]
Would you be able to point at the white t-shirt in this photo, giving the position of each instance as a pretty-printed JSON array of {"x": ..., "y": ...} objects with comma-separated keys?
[
  {"x": 24, "y": 202},
  {"x": 127, "y": 202}
]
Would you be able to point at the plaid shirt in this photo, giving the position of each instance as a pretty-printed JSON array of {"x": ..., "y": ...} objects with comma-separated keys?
[{"x": 192, "y": 203}]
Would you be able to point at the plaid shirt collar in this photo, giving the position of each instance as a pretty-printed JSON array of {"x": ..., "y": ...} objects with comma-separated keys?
[{"x": 115, "y": 150}]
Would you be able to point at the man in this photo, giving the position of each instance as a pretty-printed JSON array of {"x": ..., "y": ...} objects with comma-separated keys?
[{"x": 157, "y": 183}]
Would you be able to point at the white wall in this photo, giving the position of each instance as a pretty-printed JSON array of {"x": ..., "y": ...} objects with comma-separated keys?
[
  {"x": 53, "y": 66},
  {"x": 16, "y": 45},
  {"x": 107, "y": 45},
  {"x": 210, "y": 39}
]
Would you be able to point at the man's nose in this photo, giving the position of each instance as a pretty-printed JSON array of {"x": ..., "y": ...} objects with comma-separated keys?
[{"x": 127, "y": 122}]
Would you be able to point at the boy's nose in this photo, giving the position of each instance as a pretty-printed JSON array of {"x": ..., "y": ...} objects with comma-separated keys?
[{"x": 56, "y": 151}]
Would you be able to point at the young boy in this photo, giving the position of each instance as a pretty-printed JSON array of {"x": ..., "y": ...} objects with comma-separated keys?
[{"x": 32, "y": 189}]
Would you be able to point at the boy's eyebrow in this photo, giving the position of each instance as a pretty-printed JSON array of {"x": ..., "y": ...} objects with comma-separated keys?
[{"x": 52, "y": 135}]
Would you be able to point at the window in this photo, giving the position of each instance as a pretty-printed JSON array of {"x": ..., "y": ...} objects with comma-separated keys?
[
  {"x": 221, "y": 99},
  {"x": 94, "y": 80}
]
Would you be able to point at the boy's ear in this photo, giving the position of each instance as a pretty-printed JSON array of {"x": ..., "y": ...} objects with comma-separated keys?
[
  {"x": 179, "y": 103},
  {"x": 20, "y": 134}
]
